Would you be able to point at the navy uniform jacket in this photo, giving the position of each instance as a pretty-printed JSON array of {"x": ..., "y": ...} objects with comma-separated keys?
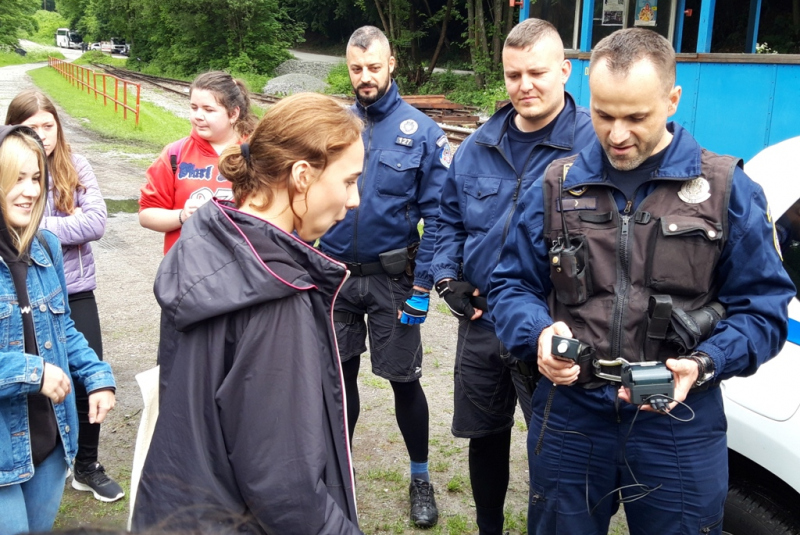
[
  {"x": 482, "y": 189},
  {"x": 405, "y": 163},
  {"x": 753, "y": 286}
]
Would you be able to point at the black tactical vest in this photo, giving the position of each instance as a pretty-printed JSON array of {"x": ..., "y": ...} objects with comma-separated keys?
[{"x": 668, "y": 246}]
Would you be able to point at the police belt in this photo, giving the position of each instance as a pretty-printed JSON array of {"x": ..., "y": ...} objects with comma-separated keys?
[
  {"x": 364, "y": 270},
  {"x": 610, "y": 370}
]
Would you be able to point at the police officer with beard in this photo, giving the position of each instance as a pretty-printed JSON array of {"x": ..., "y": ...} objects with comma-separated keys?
[{"x": 406, "y": 161}]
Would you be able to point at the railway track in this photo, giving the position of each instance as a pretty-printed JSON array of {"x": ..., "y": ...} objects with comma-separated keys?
[{"x": 451, "y": 114}]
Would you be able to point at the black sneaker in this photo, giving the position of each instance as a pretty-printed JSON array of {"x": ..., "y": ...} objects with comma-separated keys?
[
  {"x": 95, "y": 480},
  {"x": 424, "y": 513}
]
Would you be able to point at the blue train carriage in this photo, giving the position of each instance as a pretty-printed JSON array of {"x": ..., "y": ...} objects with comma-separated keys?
[{"x": 735, "y": 101}]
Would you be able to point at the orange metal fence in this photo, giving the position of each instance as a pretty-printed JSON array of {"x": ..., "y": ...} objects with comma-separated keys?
[{"x": 81, "y": 77}]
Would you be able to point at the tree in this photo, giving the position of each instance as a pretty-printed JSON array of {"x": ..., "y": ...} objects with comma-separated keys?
[{"x": 16, "y": 15}]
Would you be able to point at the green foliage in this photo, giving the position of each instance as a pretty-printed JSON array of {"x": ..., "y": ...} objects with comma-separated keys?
[
  {"x": 461, "y": 88},
  {"x": 35, "y": 56},
  {"x": 48, "y": 22},
  {"x": 96, "y": 56},
  {"x": 16, "y": 17},
  {"x": 157, "y": 127},
  {"x": 339, "y": 81}
]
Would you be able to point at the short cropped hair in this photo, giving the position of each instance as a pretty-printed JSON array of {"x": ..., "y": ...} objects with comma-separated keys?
[
  {"x": 623, "y": 48},
  {"x": 529, "y": 32},
  {"x": 366, "y": 35}
]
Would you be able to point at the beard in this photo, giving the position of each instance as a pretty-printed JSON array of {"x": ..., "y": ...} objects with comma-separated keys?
[{"x": 369, "y": 100}]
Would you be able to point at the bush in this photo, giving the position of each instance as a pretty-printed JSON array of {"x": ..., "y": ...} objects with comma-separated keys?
[
  {"x": 461, "y": 88},
  {"x": 338, "y": 81}
]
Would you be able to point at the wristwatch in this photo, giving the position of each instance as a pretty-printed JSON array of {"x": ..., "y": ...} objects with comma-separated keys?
[{"x": 705, "y": 367}]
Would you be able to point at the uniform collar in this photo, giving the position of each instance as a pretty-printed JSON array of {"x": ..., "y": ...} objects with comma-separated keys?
[
  {"x": 562, "y": 135},
  {"x": 384, "y": 106},
  {"x": 681, "y": 161}
]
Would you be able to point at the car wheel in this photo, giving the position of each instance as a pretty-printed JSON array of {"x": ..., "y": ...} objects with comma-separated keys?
[{"x": 750, "y": 512}]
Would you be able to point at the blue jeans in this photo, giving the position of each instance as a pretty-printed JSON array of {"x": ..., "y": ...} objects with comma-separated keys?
[
  {"x": 33, "y": 505},
  {"x": 685, "y": 463}
]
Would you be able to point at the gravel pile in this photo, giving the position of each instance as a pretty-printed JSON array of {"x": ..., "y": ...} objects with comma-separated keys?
[
  {"x": 317, "y": 69},
  {"x": 289, "y": 84}
]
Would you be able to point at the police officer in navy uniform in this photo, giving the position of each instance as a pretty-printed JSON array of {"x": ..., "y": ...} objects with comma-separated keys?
[
  {"x": 617, "y": 247},
  {"x": 406, "y": 161},
  {"x": 491, "y": 169}
]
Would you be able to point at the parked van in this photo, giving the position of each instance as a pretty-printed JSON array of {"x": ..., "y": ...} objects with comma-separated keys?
[{"x": 66, "y": 38}]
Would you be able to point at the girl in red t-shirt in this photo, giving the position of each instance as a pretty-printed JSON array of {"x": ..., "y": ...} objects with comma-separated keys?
[{"x": 221, "y": 117}]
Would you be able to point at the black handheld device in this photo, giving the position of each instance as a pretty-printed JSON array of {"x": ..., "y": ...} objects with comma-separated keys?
[
  {"x": 648, "y": 382},
  {"x": 567, "y": 348}
]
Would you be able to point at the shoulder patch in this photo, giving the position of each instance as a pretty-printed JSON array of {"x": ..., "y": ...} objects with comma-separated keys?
[
  {"x": 446, "y": 155},
  {"x": 409, "y": 126}
]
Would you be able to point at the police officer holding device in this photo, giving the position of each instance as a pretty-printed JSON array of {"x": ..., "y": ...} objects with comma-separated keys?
[
  {"x": 644, "y": 248},
  {"x": 406, "y": 160},
  {"x": 491, "y": 169}
]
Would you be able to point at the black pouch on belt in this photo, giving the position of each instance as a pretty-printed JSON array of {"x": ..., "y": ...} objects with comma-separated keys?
[{"x": 394, "y": 262}]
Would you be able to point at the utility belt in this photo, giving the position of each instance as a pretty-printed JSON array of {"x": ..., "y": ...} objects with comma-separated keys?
[
  {"x": 678, "y": 329},
  {"x": 392, "y": 263}
]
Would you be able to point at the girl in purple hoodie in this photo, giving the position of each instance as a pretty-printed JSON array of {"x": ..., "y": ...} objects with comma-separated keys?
[{"x": 76, "y": 213}]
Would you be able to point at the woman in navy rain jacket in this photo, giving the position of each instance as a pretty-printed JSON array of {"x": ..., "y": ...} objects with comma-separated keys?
[{"x": 251, "y": 434}]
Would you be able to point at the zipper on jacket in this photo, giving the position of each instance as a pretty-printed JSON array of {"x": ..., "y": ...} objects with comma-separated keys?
[
  {"x": 514, "y": 198},
  {"x": 622, "y": 294},
  {"x": 370, "y": 125},
  {"x": 80, "y": 259}
]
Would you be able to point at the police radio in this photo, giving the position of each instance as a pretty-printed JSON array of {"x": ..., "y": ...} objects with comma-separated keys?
[
  {"x": 648, "y": 382},
  {"x": 568, "y": 260}
]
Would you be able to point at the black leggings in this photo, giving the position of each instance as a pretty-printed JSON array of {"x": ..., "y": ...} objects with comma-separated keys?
[
  {"x": 410, "y": 407},
  {"x": 83, "y": 311}
]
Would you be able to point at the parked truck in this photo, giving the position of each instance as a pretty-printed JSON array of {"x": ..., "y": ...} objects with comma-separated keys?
[{"x": 115, "y": 45}]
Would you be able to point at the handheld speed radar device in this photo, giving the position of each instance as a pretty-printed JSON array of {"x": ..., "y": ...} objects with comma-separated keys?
[{"x": 648, "y": 382}]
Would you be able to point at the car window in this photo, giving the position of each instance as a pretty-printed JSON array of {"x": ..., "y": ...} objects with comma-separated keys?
[{"x": 788, "y": 230}]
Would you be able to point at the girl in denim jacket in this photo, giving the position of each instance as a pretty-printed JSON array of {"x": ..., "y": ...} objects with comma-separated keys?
[
  {"x": 40, "y": 349},
  {"x": 76, "y": 214}
]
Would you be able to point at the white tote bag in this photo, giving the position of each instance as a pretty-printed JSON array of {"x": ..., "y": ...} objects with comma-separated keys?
[{"x": 148, "y": 383}]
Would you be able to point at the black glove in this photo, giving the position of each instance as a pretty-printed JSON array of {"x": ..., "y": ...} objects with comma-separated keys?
[{"x": 457, "y": 295}]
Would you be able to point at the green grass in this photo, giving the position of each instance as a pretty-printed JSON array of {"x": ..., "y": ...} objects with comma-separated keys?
[
  {"x": 127, "y": 206},
  {"x": 458, "y": 483},
  {"x": 380, "y": 474},
  {"x": 96, "y": 56},
  {"x": 457, "y": 525},
  {"x": 375, "y": 382},
  {"x": 35, "y": 56},
  {"x": 156, "y": 128}
]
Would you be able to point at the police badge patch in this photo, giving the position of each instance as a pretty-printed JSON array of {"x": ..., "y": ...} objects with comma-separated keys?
[
  {"x": 446, "y": 155},
  {"x": 409, "y": 126},
  {"x": 695, "y": 191}
]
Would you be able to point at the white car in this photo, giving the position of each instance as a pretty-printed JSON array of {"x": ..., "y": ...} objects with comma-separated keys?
[{"x": 762, "y": 410}]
